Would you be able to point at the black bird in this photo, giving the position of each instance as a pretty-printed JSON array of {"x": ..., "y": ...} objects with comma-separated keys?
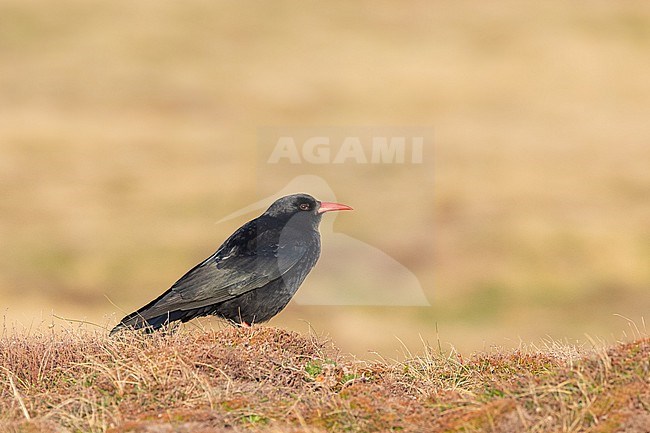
[{"x": 252, "y": 276}]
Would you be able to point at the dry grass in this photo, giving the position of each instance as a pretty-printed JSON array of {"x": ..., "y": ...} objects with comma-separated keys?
[{"x": 271, "y": 380}]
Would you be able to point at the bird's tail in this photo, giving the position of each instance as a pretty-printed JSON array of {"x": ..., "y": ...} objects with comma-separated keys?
[
  {"x": 137, "y": 320},
  {"x": 157, "y": 314},
  {"x": 134, "y": 320},
  {"x": 146, "y": 318}
]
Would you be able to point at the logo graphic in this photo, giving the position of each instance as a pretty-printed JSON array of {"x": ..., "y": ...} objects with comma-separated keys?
[{"x": 350, "y": 271}]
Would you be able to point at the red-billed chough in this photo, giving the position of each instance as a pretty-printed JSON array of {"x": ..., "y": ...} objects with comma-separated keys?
[{"x": 252, "y": 276}]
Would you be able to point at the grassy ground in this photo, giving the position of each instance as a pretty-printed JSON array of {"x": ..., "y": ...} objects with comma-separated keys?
[
  {"x": 271, "y": 380},
  {"x": 128, "y": 128}
]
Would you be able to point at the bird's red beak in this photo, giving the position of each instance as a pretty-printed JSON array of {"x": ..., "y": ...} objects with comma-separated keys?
[{"x": 328, "y": 207}]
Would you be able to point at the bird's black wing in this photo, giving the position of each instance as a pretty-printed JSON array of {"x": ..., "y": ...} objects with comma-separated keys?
[
  {"x": 211, "y": 283},
  {"x": 236, "y": 268}
]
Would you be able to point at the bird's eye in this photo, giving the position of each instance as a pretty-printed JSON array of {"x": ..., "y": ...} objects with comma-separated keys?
[{"x": 304, "y": 206}]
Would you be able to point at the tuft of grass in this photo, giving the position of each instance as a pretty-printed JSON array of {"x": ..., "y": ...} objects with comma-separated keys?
[{"x": 273, "y": 380}]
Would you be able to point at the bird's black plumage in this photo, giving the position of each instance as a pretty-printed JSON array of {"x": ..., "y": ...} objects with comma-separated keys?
[{"x": 252, "y": 276}]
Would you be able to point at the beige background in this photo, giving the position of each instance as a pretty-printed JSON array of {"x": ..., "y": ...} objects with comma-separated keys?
[{"x": 127, "y": 129}]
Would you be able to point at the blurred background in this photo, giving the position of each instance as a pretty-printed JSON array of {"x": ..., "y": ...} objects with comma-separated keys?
[{"x": 128, "y": 129}]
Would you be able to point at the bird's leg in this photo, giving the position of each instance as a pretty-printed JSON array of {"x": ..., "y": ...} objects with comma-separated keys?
[{"x": 242, "y": 322}]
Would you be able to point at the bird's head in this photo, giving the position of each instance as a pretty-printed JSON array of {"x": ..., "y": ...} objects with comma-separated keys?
[{"x": 302, "y": 209}]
